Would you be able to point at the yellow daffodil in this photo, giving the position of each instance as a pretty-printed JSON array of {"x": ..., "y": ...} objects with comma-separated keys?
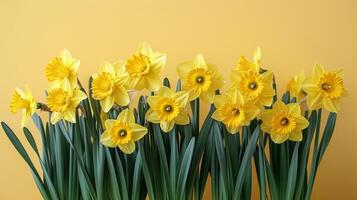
[
  {"x": 63, "y": 103},
  {"x": 246, "y": 65},
  {"x": 167, "y": 108},
  {"x": 122, "y": 132},
  {"x": 62, "y": 71},
  {"x": 295, "y": 87},
  {"x": 284, "y": 122},
  {"x": 144, "y": 68},
  {"x": 25, "y": 102},
  {"x": 324, "y": 89},
  {"x": 254, "y": 86},
  {"x": 234, "y": 111},
  {"x": 108, "y": 87},
  {"x": 201, "y": 80}
]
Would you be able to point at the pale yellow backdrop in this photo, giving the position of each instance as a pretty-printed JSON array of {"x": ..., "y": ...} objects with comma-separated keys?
[{"x": 293, "y": 35}]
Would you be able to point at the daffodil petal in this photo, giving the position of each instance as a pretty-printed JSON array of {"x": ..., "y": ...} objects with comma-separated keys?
[
  {"x": 318, "y": 70},
  {"x": 152, "y": 83},
  {"x": 309, "y": 86},
  {"x": 25, "y": 117},
  {"x": 127, "y": 148},
  {"x": 78, "y": 96},
  {"x": 55, "y": 117},
  {"x": 301, "y": 122},
  {"x": 279, "y": 106},
  {"x": 199, "y": 62},
  {"x": 236, "y": 97},
  {"x": 109, "y": 123},
  {"x": 108, "y": 68},
  {"x": 332, "y": 105},
  {"x": 268, "y": 77},
  {"x": 181, "y": 98},
  {"x": 152, "y": 100},
  {"x": 107, "y": 103},
  {"x": 182, "y": 118},
  {"x": 207, "y": 97},
  {"x": 233, "y": 129},
  {"x": 145, "y": 49},
  {"x": 66, "y": 57},
  {"x": 70, "y": 115},
  {"x": 152, "y": 116},
  {"x": 279, "y": 138},
  {"x": 126, "y": 116},
  {"x": 165, "y": 92},
  {"x": 314, "y": 102},
  {"x": 250, "y": 112},
  {"x": 167, "y": 126},
  {"x": 121, "y": 96},
  {"x": 184, "y": 69},
  {"x": 158, "y": 61},
  {"x": 295, "y": 136},
  {"x": 106, "y": 140},
  {"x": 219, "y": 100},
  {"x": 138, "y": 131},
  {"x": 294, "y": 108}
]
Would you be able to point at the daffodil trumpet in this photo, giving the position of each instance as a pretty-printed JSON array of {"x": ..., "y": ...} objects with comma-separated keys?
[{"x": 102, "y": 146}]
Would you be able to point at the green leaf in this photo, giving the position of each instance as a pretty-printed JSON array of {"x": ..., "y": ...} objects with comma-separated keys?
[
  {"x": 290, "y": 188},
  {"x": 146, "y": 171},
  {"x": 21, "y": 150},
  {"x": 137, "y": 177},
  {"x": 174, "y": 157},
  {"x": 112, "y": 176},
  {"x": 221, "y": 159},
  {"x": 260, "y": 167},
  {"x": 305, "y": 154},
  {"x": 49, "y": 183},
  {"x": 246, "y": 162},
  {"x": 184, "y": 169},
  {"x": 163, "y": 158},
  {"x": 80, "y": 162},
  {"x": 271, "y": 180},
  {"x": 318, "y": 153},
  {"x": 328, "y": 132}
]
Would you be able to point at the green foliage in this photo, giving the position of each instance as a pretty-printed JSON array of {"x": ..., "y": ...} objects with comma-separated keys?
[{"x": 174, "y": 165}]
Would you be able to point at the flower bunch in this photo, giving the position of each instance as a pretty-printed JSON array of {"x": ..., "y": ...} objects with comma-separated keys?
[{"x": 163, "y": 152}]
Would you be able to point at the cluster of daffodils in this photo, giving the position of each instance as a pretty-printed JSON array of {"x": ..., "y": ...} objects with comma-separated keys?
[{"x": 249, "y": 96}]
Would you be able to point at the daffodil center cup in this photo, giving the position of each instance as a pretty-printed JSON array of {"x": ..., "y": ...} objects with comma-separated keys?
[
  {"x": 122, "y": 132},
  {"x": 253, "y": 85},
  {"x": 106, "y": 84},
  {"x": 326, "y": 86},
  {"x": 284, "y": 121},
  {"x": 235, "y": 111},
  {"x": 200, "y": 79},
  {"x": 168, "y": 108}
]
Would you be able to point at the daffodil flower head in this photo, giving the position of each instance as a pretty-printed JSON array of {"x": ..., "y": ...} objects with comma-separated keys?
[
  {"x": 145, "y": 68},
  {"x": 62, "y": 71},
  {"x": 234, "y": 111},
  {"x": 63, "y": 103},
  {"x": 295, "y": 87},
  {"x": 25, "y": 102},
  {"x": 324, "y": 89},
  {"x": 109, "y": 87},
  {"x": 246, "y": 65},
  {"x": 201, "y": 80},
  {"x": 284, "y": 122},
  {"x": 254, "y": 86},
  {"x": 122, "y": 132},
  {"x": 168, "y": 108}
]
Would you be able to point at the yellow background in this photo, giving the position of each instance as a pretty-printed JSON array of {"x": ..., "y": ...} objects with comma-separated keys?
[{"x": 293, "y": 35}]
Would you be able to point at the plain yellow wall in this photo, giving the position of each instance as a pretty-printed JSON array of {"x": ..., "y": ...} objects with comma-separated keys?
[{"x": 293, "y": 35}]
